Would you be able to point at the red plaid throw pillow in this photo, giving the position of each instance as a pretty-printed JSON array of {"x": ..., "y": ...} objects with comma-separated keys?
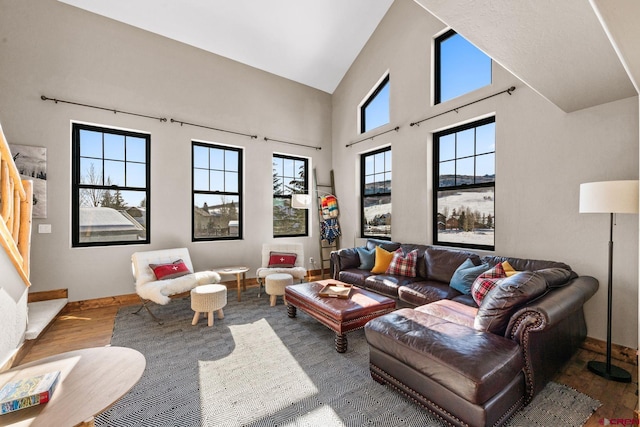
[
  {"x": 402, "y": 265},
  {"x": 487, "y": 281}
]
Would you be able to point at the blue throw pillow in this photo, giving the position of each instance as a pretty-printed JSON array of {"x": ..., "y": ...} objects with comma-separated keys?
[
  {"x": 465, "y": 275},
  {"x": 367, "y": 258}
]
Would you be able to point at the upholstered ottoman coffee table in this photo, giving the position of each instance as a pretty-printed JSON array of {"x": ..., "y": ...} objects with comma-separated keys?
[{"x": 339, "y": 315}]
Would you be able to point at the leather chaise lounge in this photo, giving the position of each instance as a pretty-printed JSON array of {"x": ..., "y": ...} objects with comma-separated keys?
[{"x": 470, "y": 364}]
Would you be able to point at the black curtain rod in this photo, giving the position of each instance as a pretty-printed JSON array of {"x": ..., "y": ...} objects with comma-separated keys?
[
  {"x": 373, "y": 136},
  {"x": 212, "y": 128},
  {"x": 292, "y": 143},
  {"x": 114, "y": 111},
  {"x": 511, "y": 89}
]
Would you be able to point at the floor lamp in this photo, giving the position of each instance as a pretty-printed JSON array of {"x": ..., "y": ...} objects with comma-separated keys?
[{"x": 610, "y": 197}]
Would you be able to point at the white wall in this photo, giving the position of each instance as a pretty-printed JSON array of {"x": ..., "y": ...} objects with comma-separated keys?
[
  {"x": 13, "y": 308},
  {"x": 62, "y": 52},
  {"x": 543, "y": 154}
]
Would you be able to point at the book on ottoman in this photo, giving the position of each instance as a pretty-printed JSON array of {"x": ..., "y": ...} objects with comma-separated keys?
[{"x": 28, "y": 392}]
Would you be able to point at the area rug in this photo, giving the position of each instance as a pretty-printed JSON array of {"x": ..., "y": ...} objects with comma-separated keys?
[{"x": 258, "y": 367}]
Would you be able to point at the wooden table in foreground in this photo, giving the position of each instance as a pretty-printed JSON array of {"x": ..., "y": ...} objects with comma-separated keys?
[
  {"x": 339, "y": 315},
  {"x": 91, "y": 380},
  {"x": 240, "y": 272}
]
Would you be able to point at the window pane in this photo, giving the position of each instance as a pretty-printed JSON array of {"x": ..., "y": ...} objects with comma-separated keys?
[
  {"x": 90, "y": 144},
  {"x": 201, "y": 179},
  {"x": 90, "y": 172},
  {"x": 136, "y": 175},
  {"x": 200, "y": 157},
  {"x": 277, "y": 166},
  {"x": 368, "y": 165},
  {"x": 447, "y": 174},
  {"x": 375, "y": 111},
  {"x": 231, "y": 182},
  {"x": 216, "y": 180},
  {"x": 113, "y": 173},
  {"x": 377, "y": 216},
  {"x": 465, "y": 171},
  {"x": 486, "y": 138},
  {"x": 466, "y": 216},
  {"x": 113, "y": 146},
  {"x": 447, "y": 147},
  {"x": 379, "y": 162},
  {"x": 485, "y": 168},
  {"x": 465, "y": 143},
  {"x": 136, "y": 149},
  {"x": 215, "y": 216},
  {"x": 288, "y": 221},
  {"x": 231, "y": 160},
  {"x": 369, "y": 185},
  {"x": 463, "y": 68},
  {"x": 387, "y": 182},
  {"x": 216, "y": 159}
]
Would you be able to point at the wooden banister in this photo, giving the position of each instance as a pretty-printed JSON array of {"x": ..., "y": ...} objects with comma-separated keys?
[{"x": 16, "y": 206}]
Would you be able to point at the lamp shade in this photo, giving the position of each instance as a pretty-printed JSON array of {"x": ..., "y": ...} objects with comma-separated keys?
[
  {"x": 609, "y": 197},
  {"x": 300, "y": 201}
]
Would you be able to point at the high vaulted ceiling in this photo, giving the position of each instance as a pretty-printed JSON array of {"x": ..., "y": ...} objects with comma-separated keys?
[
  {"x": 308, "y": 41},
  {"x": 567, "y": 51}
]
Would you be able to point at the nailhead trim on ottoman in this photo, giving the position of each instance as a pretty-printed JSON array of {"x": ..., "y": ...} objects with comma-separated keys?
[
  {"x": 275, "y": 284},
  {"x": 207, "y": 299}
]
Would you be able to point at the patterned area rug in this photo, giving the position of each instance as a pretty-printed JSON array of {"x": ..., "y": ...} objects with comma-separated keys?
[{"x": 258, "y": 367}]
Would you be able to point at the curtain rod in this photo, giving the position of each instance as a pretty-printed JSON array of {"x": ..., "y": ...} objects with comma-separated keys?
[
  {"x": 212, "y": 128},
  {"x": 113, "y": 110},
  {"x": 511, "y": 89},
  {"x": 292, "y": 143},
  {"x": 373, "y": 136}
]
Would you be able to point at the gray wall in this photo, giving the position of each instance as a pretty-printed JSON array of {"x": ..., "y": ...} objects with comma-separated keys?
[
  {"x": 543, "y": 154},
  {"x": 50, "y": 48}
]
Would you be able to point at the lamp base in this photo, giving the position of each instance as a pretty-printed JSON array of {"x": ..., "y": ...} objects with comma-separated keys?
[{"x": 614, "y": 373}]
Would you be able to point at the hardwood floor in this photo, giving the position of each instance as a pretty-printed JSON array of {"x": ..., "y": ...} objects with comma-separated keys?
[{"x": 93, "y": 327}]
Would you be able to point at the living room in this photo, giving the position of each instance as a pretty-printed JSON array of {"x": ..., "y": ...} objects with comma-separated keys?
[{"x": 543, "y": 154}]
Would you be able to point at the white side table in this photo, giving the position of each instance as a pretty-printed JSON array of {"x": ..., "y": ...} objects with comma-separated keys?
[{"x": 239, "y": 271}]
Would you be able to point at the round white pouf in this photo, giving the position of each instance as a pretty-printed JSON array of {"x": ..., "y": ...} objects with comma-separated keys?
[
  {"x": 207, "y": 299},
  {"x": 275, "y": 284}
]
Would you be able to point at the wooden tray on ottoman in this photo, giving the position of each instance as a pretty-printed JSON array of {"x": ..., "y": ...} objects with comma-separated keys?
[
  {"x": 335, "y": 289},
  {"x": 341, "y": 315}
]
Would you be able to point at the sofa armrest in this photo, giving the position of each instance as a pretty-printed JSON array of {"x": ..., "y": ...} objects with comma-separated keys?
[
  {"x": 550, "y": 329},
  {"x": 343, "y": 259}
]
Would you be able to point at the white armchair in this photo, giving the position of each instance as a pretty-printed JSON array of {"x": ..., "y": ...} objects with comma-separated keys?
[
  {"x": 150, "y": 289},
  {"x": 298, "y": 271}
]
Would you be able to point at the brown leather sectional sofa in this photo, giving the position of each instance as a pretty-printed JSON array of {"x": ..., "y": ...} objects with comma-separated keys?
[{"x": 470, "y": 365}]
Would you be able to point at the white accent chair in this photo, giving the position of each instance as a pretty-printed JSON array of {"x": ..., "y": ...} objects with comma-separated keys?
[
  {"x": 149, "y": 289},
  {"x": 298, "y": 271}
]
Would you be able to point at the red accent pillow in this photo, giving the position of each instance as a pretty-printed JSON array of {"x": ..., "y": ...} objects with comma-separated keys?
[
  {"x": 403, "y": 265},
  {"x": 282, "y": 259},
  {"x": 170, "y": 271},
  {"x": 486, "y": 282}
]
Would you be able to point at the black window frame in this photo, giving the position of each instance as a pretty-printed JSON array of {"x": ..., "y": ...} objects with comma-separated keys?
[
  {"x": 239, "y": 193},
  {"x": 77, "y": 184},
  {"x": 305, "y": 190},
  {"x": 363, "y": 196},
  {"x": 437, "y": 97},
  {"x": 463, "y": 186},
  {"x": 363, "y": 126}
]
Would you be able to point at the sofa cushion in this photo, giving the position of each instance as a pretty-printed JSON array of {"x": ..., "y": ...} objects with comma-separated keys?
[
  {"x": 466, "y": 274},
  {"x": 354, "y": 276},
  {"x": 452, "y": 311},
  {"x": 383, "y": 259},
  {"x": 487, "y": 281},
  {"x": 474, "y": 365},
  {"x": 442, "y": 263},
  {"x": 505, "y": 298},
  {"x": 523, "y": 264},
  {"x": 557, "y": 277},
  {"x": 367, "y": 258},
  {"x": 403, "y": 265},
  {"x": 387, "y": 284},
  {"x": 387, "y": 245},
  {"x": 424, "y": 291}
]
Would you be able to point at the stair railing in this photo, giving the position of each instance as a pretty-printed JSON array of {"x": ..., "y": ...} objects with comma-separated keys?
[{"x": 16, "y": 205}]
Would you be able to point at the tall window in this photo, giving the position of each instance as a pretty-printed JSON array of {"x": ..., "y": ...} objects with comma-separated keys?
[
  {"x": 289, "y": 177},
  {"x": 465, "y": 177},
  {"x": 217, "y": 197},
  {"x": 374, "y": 112},
  {"x": 375, "y": 192},
  {"x": 110, "y": 180},
  {"x": 460, "y": 67}
]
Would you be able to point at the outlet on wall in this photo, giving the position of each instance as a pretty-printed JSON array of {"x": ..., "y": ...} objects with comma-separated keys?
[{"x": 311, "y": 261}]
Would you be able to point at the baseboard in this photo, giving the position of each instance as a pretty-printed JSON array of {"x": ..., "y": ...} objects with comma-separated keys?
[
  {"x": 624, "y": 354},
  {"x": 47, "y": 295}
]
